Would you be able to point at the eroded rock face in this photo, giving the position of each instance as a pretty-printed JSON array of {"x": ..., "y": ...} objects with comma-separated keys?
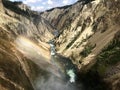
[
  {"x": 93, "y": 25},
  {"x": 17, "y": 70},
  {"x": 88, "y": 27},
  {"x": 1, "y": 6},
  {"x": 28, "y": 23},
  {"x": 62, "y": 17},
  {"x": 13, "y": 75}
]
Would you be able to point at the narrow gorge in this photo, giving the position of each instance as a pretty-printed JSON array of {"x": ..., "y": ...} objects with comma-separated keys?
[{"x": 74, "y": 47}]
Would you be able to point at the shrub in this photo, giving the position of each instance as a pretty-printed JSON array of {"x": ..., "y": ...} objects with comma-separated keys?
[{"x": 87, "y": 50}]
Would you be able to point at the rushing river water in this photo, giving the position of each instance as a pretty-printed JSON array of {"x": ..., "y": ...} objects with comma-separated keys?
[
  {"x": 66, "y": 69},
  {"x": 65, "y": 66}
]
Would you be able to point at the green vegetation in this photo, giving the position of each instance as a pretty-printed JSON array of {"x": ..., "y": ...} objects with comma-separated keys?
[
  {"x": 111, "y": 54},
  {"x": 108, "y": 57},
  {"x": 87, "y": 50}
]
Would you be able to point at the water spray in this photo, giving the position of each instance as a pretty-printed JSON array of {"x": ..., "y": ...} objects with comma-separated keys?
[{"x": 72, "y": 75}]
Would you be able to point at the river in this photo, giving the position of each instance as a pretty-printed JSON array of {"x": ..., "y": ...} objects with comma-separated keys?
[{"x": 66, "y": 68}]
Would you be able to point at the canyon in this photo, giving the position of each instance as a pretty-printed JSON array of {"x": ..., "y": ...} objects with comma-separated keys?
[{"x": 85, "y": 38}]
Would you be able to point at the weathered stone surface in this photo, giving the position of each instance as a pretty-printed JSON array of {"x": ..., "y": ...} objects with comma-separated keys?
[
  {"x": 91, "y": 22},
  {"x": 17, "y": 70},
  {"x": 1, "y": 6},
  {"x": 86, "y": 28}
]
